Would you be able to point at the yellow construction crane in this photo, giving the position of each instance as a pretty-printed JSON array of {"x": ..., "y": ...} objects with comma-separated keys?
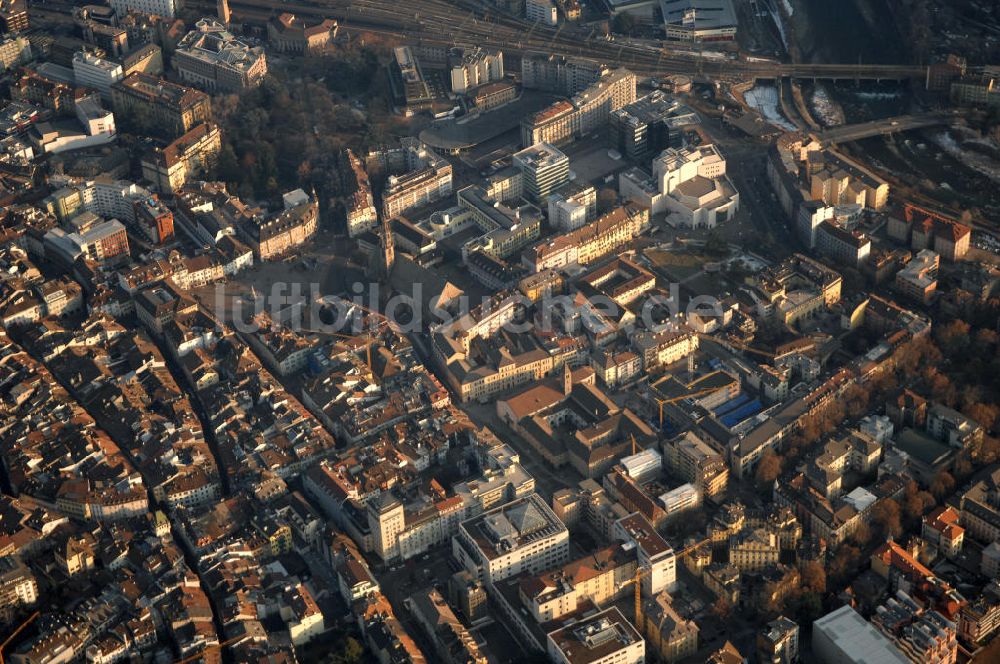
[
  {"x": 369, "y": 342},
  {"x": 3, "y": 646},
  {"x": 691, "y": 547},
  {"x": 637, "y": 583},
  {"x": 217, "y": 646},
  {"x": 737, "y": 344},
  {"x": 640, "y": 572},
  {"x": 377, "y": 314},
  {"x": 690, "y": 395}
]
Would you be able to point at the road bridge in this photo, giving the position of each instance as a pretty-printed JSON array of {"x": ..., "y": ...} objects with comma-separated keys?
[{"x": 857, "y": 132}]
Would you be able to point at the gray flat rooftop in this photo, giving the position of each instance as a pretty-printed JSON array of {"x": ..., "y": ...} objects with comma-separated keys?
[
  {"x": 465, "y": 132},
  {"x": 708, "y": 14}
]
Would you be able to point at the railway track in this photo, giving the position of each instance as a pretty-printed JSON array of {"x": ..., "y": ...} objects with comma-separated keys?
[{"x": 448, "y": 22}]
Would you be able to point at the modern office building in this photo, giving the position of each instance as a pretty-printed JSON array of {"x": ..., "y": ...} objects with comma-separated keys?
[
  {"x": 91, "y": 71},
  {"x": 543, "y": 170},
  {"x": 811, "y": 214},
  {"x": 506, "y": 229},
  {"x": 699, "y": 20},
  {"x": 603, "y": 638},
  {"x": 844, "y": 637},
  {"x": 521, "y": 536},
  {"x": 641, "y": 129},
  {"x": 654, "y": 554}
]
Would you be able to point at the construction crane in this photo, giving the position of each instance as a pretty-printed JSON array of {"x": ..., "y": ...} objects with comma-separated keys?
[
  {"x": 690, "y": 395},
  {"x": 3, "y": 646},
  {"x": 636, "y": 582},
  {"x": 640, "y": 572},
  {"x": 742, "y": 346},
  {"x": 369, "y": 342},
  {"x": 377, "y": 314},
  {"x": 216, "y": 646},
  {"x": 691, "y": 547}
]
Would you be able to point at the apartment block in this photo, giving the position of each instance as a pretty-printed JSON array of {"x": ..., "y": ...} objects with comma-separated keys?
[
  {"x": 191, "y": 155},
  {"x": 17, "y": 584},
  {"x": 165, "y": 8},
  {"x": 657, "y": 349},
  {"x": 778, "y": 642},
  {"x": 696, "y": 461},
  {"x": 924, "y": 229},
  {"x": 654, "y": 554},
  {"x": 14, "y": 50},
  {"x": 918, "y": 279},
  {"x": 494, "y": 95},
  {"x": 470, "y": 68},
  {"x": 838, "y": 180},
  {"x": 590, "y": 242},
  {"x": 542, "y": 12},
  {"x": 90, "y": 237},
  {"x": 842, "y": 245},
  {"x": 425, "y": 178},
  {"x": 940, "y": 528},
  {"x": 600, "y": 577},
  {"x": 175, "y": 108},
  {"x": 558, "y": 74},
  {"x": 275, "y": 235},
  {"x": 359, "y": 203},
  {"x": 585, "y": 112},
  {"x": 921, "y": 635},
  {"x": 13, "y": 15},
  {"x": 572, "y": 205},
  {"x": 672, "y": 636}
]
